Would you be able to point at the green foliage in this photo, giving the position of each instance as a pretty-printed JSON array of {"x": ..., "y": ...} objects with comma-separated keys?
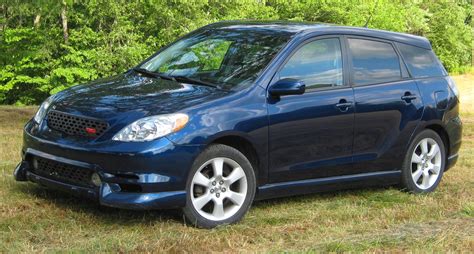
[
  {"x": 450, "y": 36},
  {"x": 108, "y": 37}
]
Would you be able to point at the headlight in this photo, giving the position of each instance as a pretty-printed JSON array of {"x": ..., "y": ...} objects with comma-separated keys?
[
  {"x": 152, "y": 127},
  {"x": 41, "y": 113}
]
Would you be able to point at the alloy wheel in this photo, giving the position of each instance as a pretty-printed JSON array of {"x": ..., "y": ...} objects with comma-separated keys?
[
  {"x": 218, "y": 189},
  {"x": 426, "y": 163}
]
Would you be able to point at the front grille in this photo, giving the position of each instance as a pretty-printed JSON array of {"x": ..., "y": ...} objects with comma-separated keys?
[
  {"x": 76, "y": 125},
  {"x": 62, "y": 172}
]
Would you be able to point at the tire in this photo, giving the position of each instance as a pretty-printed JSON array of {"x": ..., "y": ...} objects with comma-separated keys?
[
  {"x": 423, "y": 167},
  {"x": 214, "y": 199}
]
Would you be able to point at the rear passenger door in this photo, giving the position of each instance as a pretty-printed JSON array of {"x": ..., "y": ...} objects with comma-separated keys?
[{"x": 387, "y": 103}]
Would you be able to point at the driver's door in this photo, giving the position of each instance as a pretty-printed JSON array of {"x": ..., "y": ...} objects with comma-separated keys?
[{"x": 311, "y": 135}]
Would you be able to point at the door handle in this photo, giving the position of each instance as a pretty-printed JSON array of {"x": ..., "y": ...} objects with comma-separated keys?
[
  {"x": 343, "y": 105},
  {"x": 408, "y": 97}
]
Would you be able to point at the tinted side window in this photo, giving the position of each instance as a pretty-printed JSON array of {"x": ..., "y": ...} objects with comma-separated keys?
[
  {"x": 374, "y": 62},
  {"x": 421, "y": 62},
  {"x": 318, "y": 64}
]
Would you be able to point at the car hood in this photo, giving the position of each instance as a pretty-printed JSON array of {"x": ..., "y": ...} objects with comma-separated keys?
[{"x": 132, "y": 96}]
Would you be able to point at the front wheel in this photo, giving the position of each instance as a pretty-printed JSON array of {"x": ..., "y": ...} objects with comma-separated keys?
[
  {"x": 220, "y": 187},
  {"x": 424, "y": 163}
]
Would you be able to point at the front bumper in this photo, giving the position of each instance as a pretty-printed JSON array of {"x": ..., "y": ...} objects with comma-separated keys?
[
  {"x": 108, "y": 194},
  {"x": 145, "y": 176}
]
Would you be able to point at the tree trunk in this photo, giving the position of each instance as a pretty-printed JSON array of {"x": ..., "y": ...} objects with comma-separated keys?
[
  {"x": 3, "y": 10},
  {"x": 7, "y": 17},
  {"x": 64, "y": 22},
  {"x": 37, "y": 20}
]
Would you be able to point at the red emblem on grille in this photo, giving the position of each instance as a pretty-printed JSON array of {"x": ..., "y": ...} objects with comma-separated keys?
[{"x": 90, "y": 130}]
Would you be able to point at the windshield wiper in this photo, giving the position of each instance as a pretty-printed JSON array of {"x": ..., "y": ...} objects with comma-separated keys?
[
  {"x": 178, "y": 78},
  {"x": 153, "y": 74},
  {"x": 194, "y": 81},
  {"x": 146, "y": 72}
]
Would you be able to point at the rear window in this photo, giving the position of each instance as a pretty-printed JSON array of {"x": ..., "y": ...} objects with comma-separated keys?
[
  {"x": 421, "y": 62},
  {"x": 374, "y": 62}
]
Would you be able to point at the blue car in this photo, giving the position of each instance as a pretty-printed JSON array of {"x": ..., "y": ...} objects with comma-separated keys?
[{"x": 239, "y": 111}]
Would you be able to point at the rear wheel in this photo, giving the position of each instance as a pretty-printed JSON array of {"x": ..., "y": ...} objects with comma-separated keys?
[
  {"x": 424, "y": 163},
  {"x": 220, "y": 187}
]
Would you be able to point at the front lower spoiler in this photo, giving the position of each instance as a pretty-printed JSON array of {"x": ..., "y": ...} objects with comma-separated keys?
[{"x": 108, "y": 194}]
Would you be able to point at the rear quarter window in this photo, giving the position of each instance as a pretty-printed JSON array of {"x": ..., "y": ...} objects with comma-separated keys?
[{"x": 421, "y": 62}]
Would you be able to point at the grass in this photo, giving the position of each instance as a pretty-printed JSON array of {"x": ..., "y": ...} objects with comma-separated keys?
[{"x": 34, "y": 219}]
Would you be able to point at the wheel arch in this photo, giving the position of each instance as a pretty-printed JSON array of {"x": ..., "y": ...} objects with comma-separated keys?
[
  {"x": 443, "y": 134},
  {"x": 245, "y": 146},
  {"x": 440, "y": 130}
]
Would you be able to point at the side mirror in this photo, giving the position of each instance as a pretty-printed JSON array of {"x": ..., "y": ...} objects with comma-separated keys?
[{"x": 287, "y": 86}]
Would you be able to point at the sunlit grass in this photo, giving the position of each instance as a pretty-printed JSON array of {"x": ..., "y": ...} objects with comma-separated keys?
[{"x": 36, "y": 219}]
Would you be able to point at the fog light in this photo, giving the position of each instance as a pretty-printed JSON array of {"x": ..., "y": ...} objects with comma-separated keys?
[{"x": 95, "y": 178}]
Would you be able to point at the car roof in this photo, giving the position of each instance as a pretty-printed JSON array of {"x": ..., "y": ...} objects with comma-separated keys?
[{"x": 303, "y": 28}]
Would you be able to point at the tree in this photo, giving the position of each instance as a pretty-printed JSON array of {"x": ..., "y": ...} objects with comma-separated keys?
[
  {"x": 47, "y": 46},
  {"x": 64, "y": 21}
]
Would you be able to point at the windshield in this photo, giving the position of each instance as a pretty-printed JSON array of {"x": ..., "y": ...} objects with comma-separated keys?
[{"x": 228, "y": 58}]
